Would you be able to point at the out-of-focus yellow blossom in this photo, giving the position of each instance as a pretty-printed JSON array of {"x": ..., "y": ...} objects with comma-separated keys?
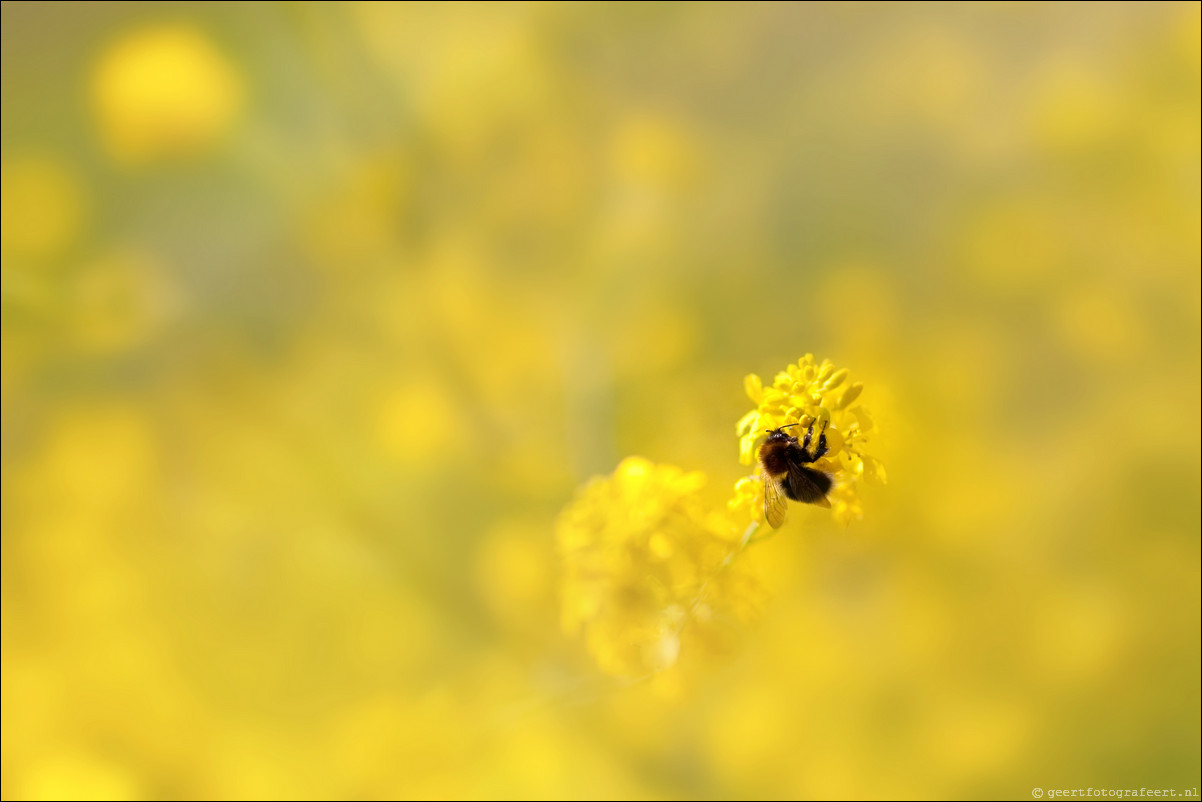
[
  {"x": 417, "y": 421},
  {"x": 163, "y": 92},
  {"x": 748, "y": 499},
  {"x": 805, "y": 393},
  {"x": 43, "y": 207},
  {"x": 649, "y": 575}
]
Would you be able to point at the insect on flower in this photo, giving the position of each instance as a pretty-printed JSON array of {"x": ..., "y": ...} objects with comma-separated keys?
[{"x": 784, "y": 467}]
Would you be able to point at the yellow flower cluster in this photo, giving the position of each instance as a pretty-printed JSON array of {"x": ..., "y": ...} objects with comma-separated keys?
[
  {"x": 162, "y": 92},
  {"x": 811, "y": 393},
  {"x": 648, "y": 569}
]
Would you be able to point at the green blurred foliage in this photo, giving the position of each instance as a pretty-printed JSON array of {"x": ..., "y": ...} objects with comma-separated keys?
[{"x": 314, "y": 315}]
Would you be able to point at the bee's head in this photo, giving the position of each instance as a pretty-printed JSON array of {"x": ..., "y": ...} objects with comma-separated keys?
[{"x": 779, "y": 432}]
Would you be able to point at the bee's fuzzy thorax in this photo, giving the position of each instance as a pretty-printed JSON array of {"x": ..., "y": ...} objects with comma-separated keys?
[{"x": 774, "y": 454}]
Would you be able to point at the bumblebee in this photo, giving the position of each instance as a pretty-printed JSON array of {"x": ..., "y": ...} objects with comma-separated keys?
[{"x": 784, "y": 467}]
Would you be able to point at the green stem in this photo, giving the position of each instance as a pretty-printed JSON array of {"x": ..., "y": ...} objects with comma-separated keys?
[
  {"x": 752, "y": 528},
  {"x": 743, "y": 542}
]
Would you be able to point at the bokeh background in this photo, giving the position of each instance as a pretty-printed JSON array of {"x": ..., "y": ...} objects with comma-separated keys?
[{"x": 315, "y": 315}]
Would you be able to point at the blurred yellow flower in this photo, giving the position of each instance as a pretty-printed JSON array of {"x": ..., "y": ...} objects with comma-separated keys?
[
  {"x": 648, "y": 569},
  {"x": 513, "y": 573},
  {"x": 43, "y": 207},
  {"x": 417, "y": 421},
  {"x": 163, "y": 92},
  {"x": 748, "y": 498},
  {"x": 805, "y": 393},
  {"x": 654, "y": 154},
  {"x": 77, "y": 776}
]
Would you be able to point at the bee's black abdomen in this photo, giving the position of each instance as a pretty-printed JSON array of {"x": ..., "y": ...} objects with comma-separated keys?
[{"x": 807, "y": 485}]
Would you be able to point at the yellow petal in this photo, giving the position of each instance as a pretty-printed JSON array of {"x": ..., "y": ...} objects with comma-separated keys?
[
  {"x": 866, "y": 422},
  {"x": 834, "y": 441},
  {"x": 835, "y": 379},
  {"x": 754, "y": 386},
  {"x": 746, "y": 445},
  {"x": 874, "y": 470},
  {"x": 849, "y": 395}
]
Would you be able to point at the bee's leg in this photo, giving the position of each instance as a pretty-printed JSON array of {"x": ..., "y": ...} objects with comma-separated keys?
[
  {"x": 822, "y": 447},
  {"x": 805, "y": 444}
]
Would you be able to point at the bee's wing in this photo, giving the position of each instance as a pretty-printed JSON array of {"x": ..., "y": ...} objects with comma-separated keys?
[
  {"x": 808, "y": 485},
  {"x": 775, "y": 506}
]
